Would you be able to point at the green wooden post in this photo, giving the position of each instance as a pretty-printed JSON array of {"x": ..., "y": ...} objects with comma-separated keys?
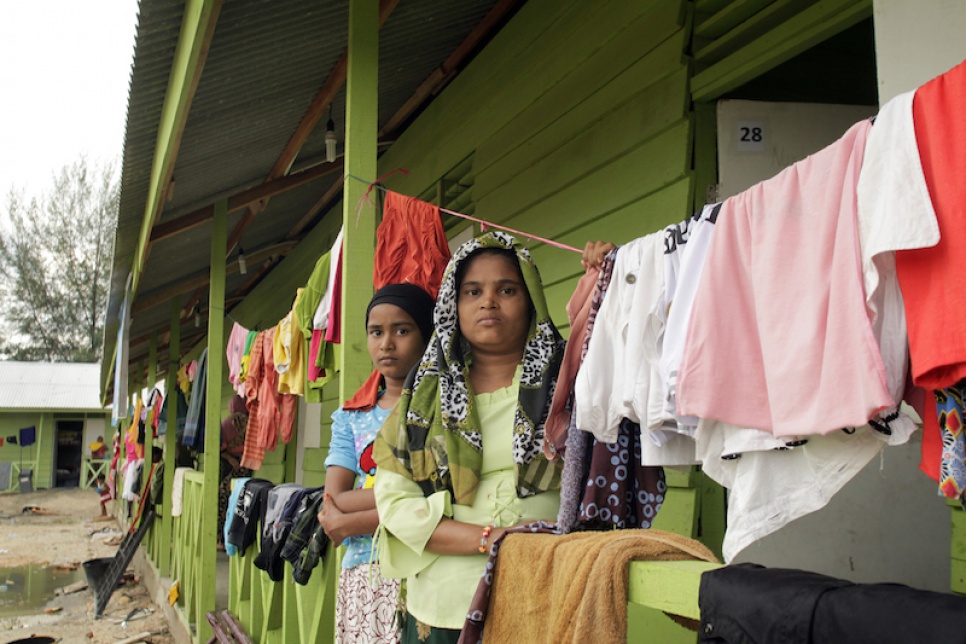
[
  {"x": 362, "y": 125},
  {"x": 216, "y": 376},
  {"x": 37, "y": 455},
  {"x": 170, "y": 438},
  {"x": 291, "y": 453}
]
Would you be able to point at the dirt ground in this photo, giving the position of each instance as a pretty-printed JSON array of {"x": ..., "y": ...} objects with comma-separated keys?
[{"x": 68, "y": 536}]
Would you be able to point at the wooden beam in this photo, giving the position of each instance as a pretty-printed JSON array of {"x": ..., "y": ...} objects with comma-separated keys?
[
  {"x": 755, "y": 26},
  {"x": 332, "y": 85},
  {"x": 334, "y": 191},
  {"x": 212, "y": 444},
  {"x": 670, "y": 586},
  {"x": 359, "y": 241},
  {"x": 200, "y": 279},
  {"x": 798, "y": 34},
  {"x": 729, "y": 17},
  {"x": 242, "y": 199},
  {"x": 442, "y": 75}
]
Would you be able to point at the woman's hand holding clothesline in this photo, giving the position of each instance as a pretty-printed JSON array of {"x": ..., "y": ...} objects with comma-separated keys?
[{"x": 594, "y": 253}]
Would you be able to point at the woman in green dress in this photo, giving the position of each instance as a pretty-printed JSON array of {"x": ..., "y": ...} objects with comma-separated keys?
[{"x": 460, "y": 457}]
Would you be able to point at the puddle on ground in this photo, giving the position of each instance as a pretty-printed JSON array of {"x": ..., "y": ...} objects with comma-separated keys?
[{"x": 25, "y": 590}]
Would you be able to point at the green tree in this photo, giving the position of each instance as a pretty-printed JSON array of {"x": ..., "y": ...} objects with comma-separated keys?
[{"x": 55, "y": 261}]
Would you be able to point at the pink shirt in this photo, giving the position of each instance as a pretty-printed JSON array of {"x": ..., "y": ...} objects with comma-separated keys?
[
  {"x": 779, "y": 337},
  {"x": 234, "y": 352}
]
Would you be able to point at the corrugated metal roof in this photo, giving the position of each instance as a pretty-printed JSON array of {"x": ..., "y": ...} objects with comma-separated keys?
[
  {"x": 57, "y": 386},
  {"x": 265, "y": 65}
]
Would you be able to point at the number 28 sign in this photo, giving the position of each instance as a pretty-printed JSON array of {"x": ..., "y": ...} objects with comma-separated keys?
[{"x": 751, "y": 136}]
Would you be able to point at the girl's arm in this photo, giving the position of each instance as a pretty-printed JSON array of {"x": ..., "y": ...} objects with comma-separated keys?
[{"x": 351, "y": 520}]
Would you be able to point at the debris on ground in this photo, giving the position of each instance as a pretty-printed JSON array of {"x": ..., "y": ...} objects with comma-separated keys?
[
  {"x": 71, "y": 589},
  {"x": 36, "y": 509}
]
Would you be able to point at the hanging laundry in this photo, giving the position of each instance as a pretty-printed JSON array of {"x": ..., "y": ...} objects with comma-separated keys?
[
  {"x": 577, "y": 464},
  {"x": 616, "y": 380},
  {"x": 181, "y": 415},
  {"x": 411, "y": 248},
  {"x": 254, "y": 452},
  {"x": 270, "y": 414},
  {"x": 234, "y": 351},
  {"x": 324, "y": 308},
  {"x": 772, "y": 482},
  {"x": 685, "y": 251},
  {"x": 610, "y": 364},
  {"x": 28, "y": 436},
  {"x": 241, "y": 530},
  {"x": 411, "y": 245},
  {"x": 620, "y": 493},
  {"x": 561, "y": 407},
  {"x": 950, "y": 410},
  {"x": 305, "y": 529},
  {"x": 287, "y": 353},
  {"x": 238, "y": 488},
  {"x": 306, "y": 308},
  {"x": 894, "y": 213},
  {"x": 779, "y": 337},
  {"x": 246, "y": 356},
  {"x": 194, "y": 428},
  {"x": 269, "y": 557},
  {"x": 937, "y": 336},
  {"x": 333, "y": 330}
]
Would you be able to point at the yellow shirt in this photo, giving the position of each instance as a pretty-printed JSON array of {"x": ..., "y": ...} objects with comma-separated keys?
[
  {"x": 441, "y": 587},
  {"x": 287, "y": 353}
]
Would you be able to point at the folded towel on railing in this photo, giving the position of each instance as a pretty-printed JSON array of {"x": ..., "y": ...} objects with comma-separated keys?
[{"x": 568, "y": 588}]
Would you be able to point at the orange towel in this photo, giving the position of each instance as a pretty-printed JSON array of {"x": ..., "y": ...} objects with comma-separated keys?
[{"x": 573, "y": 588}]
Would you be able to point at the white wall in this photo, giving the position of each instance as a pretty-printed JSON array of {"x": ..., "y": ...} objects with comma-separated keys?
[
  {"x": 916, "y": 40},
  {"x": 759, "y": 139}
]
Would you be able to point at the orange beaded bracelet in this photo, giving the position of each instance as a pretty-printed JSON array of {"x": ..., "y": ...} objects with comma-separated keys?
[{"x": 486, "y": 535}]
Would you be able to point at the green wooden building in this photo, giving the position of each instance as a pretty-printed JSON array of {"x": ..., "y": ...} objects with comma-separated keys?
[
  {"x": 569, "y": 120},
  {"x": 61, "y": 401}
]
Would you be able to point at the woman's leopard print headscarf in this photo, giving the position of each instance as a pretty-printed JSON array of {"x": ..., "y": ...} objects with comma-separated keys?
[{"x": 433, "y": 435}]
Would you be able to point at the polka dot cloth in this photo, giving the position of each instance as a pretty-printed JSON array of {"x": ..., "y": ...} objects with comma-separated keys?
[{"x": 620, "y": 492}]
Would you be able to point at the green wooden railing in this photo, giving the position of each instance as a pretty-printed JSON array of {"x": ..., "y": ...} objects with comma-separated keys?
[
  {"x": 14, "y": 479},
  {"x": 276, "y": 612},
  {"x": 90, "y": 468},
  {"x": 186, "y": 545},
  {"x": 284, "y": 611}
]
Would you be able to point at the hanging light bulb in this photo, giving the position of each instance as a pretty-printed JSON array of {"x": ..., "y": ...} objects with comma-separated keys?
[
  {"x": 242, "y": 264},
  {"x": 330, "y": 139}
]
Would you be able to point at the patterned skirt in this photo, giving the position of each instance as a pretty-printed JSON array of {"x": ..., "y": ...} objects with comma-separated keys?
[{"x": 366, "y": 613}]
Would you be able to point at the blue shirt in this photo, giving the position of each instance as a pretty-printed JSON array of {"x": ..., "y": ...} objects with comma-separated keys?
[{"x": 352, "y": 433}]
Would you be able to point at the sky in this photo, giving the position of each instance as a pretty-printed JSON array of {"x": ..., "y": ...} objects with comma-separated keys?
[{"x": 65, "y": 66}]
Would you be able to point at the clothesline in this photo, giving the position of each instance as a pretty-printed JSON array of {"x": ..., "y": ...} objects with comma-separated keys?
[{"x": 484, "y": 223}]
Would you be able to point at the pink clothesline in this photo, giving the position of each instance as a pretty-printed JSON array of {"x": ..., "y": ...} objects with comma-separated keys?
[{"x": 483, "y": 223}]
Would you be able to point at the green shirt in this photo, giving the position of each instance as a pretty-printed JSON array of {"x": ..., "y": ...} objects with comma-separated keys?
[{"x": 441, "y": 587}]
